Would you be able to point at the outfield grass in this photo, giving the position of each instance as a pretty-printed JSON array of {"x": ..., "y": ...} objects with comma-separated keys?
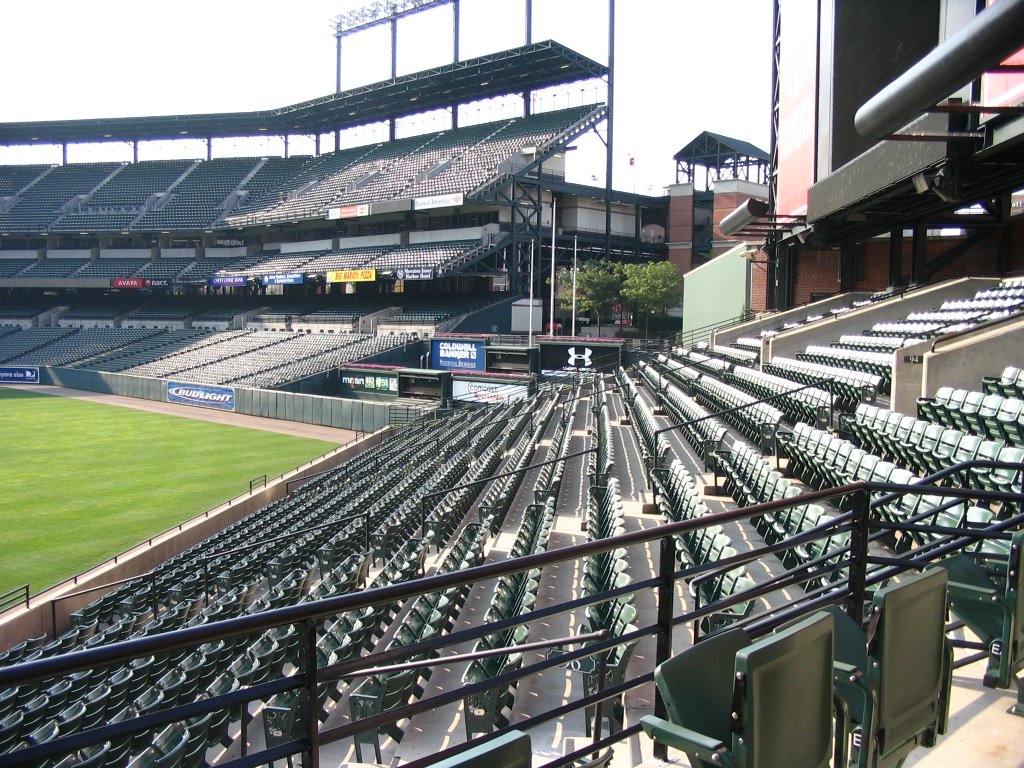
[{"x": 82, "y": 481}]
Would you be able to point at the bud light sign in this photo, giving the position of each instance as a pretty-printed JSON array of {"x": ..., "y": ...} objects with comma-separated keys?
[
  {"x": 201, "y": 395},
  {"x": 457, "y": 355}
]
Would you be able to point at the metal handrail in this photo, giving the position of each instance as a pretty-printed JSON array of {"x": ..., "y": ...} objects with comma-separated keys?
[
  {"x": 852, "y": 593},
  {"x": 14, "y": 597}
]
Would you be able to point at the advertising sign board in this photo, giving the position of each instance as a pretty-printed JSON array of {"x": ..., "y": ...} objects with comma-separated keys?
[
  {"x": 579, "y": 355},
  {"x": 19, "y": 374},
  {"x": 487, "y": 391},
  {"x": 352, "y": 276},
  {"x": 227, "y": 281},
  {"x": 292, "y": 278},
  {"x": 380, "y": 383},
  {"x": 201, "y": 395},
  {"x": 457, "y": 355}
]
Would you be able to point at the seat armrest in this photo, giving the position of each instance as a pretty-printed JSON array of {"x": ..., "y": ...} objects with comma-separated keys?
[
  {"x": 363, "y": 705},
  {"x": 987, "y": 595},
  {"x": 693, "y": 743}
]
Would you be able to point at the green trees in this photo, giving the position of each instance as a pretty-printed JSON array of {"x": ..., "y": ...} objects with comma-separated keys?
[
  {"x": 647, "y": 288},
  {"x": 651, "y": 288},
  {"x": 597, "y": 289}
]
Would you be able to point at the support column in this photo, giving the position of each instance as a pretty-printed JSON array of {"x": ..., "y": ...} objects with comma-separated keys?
[
  {"x": 394, "y": 47},
  {"x": 209, "y": 148},
  {"x": 896, "y": 258},
  {"x": 316, "y": 145},
  {"x": 529, "y": 40},
  {"x": 609, "y": 144},
  {"x": 637, "y": 226},
  {"x": 1005, "y": 255},
  {"x": 920, "y": 253},
  {"x": 455, "y": 54},
  {"x": 285, "y": 145},
  {"x": 337, "y": 68},
  {"x": 135, "y": 151},
  {"x": 64, "y": 153}
]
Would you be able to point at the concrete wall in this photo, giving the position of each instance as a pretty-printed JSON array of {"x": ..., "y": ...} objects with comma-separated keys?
[
  {"x": 958, "y": 362},
  {"x": 727, "y": 336},
  {"x": 309, "y": 245},
  {"x": 857, "y": 321},
  {"x": 716, "y": 292},
  {"x": 357, "y": 415}
]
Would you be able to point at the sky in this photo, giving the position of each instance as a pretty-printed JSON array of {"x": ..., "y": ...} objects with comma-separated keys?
[{"x": 681, "y": 67}]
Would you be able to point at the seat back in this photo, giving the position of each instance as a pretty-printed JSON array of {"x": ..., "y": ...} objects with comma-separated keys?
[
  {"x": 706, "y": 667},
  {"x": 1014, "y": 643},
  {"x": 784, "y": 684},
  {"x": 510, "y": 750},
  {"x": 909, "y": 646}
]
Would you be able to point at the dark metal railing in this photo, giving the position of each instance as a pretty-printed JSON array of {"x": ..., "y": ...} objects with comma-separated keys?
[
  {"x": 16, "y": 596},
  {"x": 850, "y": 592},
  {"x": 687, "y": 338}
]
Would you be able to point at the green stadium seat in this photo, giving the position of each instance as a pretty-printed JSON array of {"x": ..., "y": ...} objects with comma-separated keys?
[
  {"x": 87, "y": 757},
  {"x": 895, "y": 677},
  {"x": 10, "y": 727},
  {"x": 991, "y": 604},
  {"x": 95, "y": 706},
  {"x": 282, "y": 719},
  {"x": 761, "y": 704},
  {"x": 509, "y": 750},
  {"x": 377, "y": 694},
  {"x": 615, "y": 674}
]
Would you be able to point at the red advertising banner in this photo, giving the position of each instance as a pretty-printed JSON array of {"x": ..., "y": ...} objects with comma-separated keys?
[
  {"x": 1003, "y": 90},
  {"x": 129, "y": 282},
  {"x": 797, "y": 94},
  {"x": 348, "y": 211}
]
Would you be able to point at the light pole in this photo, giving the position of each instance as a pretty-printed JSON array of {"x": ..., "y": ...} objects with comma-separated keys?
[
  {"x": 574, "y": 268},
  {"x": 551, "y": 322},
  {"x": 529, "y": 314}
]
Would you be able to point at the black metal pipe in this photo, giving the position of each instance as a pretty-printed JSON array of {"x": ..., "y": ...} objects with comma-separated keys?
[{"x": 992, "y": 36}]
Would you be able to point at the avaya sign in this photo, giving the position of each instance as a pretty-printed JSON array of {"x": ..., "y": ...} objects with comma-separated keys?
[{"x": 201, "y": 396}]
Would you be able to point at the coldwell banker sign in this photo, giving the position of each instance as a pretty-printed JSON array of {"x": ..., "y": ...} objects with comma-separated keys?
[
  {"x": 201, "y": 395},
  {"x": 457, "y": 355}
]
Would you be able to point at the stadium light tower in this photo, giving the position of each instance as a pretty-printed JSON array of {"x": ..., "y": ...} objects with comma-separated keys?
[
  {"x": 389, "y": 12},
  {"x": 386, "y": 12}
]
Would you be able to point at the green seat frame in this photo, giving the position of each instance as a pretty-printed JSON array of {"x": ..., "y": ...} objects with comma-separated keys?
[
  {"x": 894, "y": 678},
  {"x": 993, "y": 612},
  {"x": 511, "y": 749},
  {"x": 751, "y": 705}
]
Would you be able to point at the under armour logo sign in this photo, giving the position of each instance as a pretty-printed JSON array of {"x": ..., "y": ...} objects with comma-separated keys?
[{"x": 580, "y": 360}]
